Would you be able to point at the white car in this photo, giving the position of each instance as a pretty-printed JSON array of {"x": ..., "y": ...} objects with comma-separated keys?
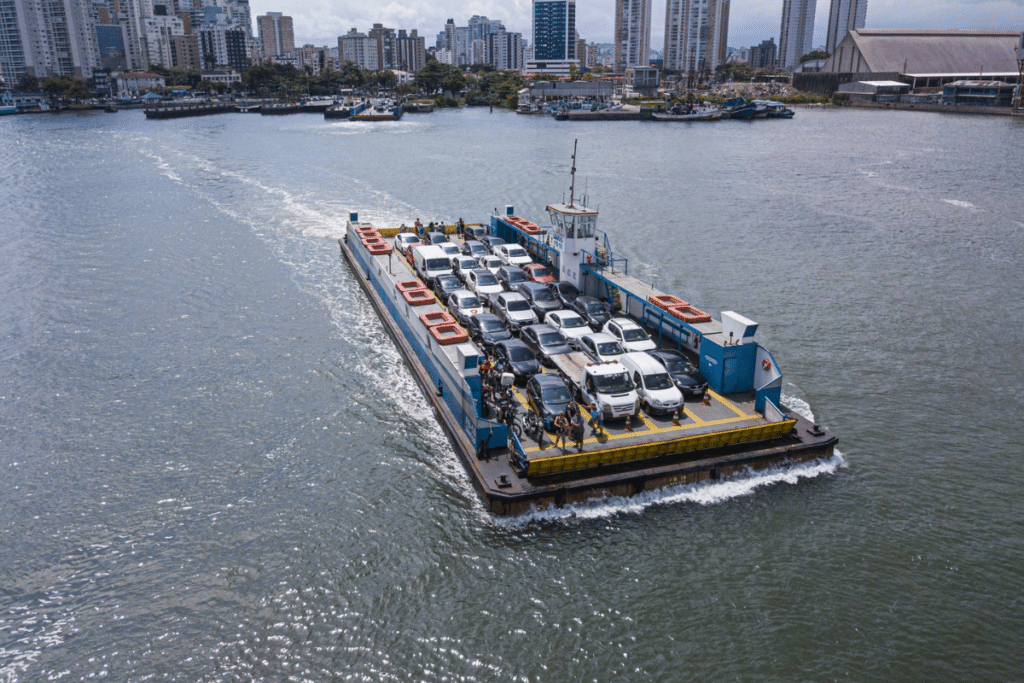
[
  {"x": 463, "y": 304},
  {"x": 461, "y": 265},
  {"x": 403, "y": 240},
  {"x": 491, "y": 263},
  {"x": 483, "y": 283},
  {"x": 450, "y": 249},
  {"x": 629, "y": 334},
  {"x": 512, "y": 255},
  {"x": 601, "y": 347},
  {"x": 570, "y": 324}
]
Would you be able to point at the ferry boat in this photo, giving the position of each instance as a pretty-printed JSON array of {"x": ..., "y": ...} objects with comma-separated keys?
[{"x": 741, "y": 425}]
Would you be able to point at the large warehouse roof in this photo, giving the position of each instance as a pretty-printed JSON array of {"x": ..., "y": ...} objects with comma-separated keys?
[{"x": 946, "y": 52}]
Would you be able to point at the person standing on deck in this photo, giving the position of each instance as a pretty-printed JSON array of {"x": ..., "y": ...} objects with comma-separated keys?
[
  {"x": 577, "y": 430},
  {"x": 561, "y": 427}
]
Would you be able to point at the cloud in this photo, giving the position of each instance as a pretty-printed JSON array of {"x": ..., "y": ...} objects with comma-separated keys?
[{"x": 750, "y": 21}]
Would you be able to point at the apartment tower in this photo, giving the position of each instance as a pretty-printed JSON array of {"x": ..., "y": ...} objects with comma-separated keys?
[
  {"x": 844, "y": 16},
  {"x": 632, "y": 34},
  {"x": 554, "y": 29},
  {"x": 696, "y": 34},
  {"x": 275, "y": 35},
  {"x": 797, "y": 31}
]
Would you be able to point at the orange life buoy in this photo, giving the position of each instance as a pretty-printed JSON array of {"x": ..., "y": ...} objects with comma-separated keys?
[
  {"x": 378, "y": 248},
  {"x": 666, "y": 300},
  {"x": 689, "y": 314},
  {"x": 437, "y": 318},
  {"x": 448, "y": 334},
  {"x": 418, "y": 297},
  {"x": 766, "y": 364},
  {"x": 409, "y": 285}
]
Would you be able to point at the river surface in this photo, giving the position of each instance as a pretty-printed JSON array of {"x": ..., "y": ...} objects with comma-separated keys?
[{"x": 214, "y": 465}]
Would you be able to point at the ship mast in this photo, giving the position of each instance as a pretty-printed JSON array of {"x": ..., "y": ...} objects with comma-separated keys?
[{"x": 572, "y": 185}]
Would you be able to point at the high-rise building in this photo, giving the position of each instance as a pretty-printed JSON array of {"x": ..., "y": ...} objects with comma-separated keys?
[
  {"x": 763, "y": 56},
  {"x": 185, "y": 52},
  {"x": 696, "y": 34},
  {"x": 843, "y": 17},
  {"x": 223, "y": 41},
  {"x": 48, "y": 38},
  {"x": 554, "y": 29},
  {"x": 412, "y": 54},
  {"x": 275, "y": 35},
  {"x": 632, "y": 34},
  {"x": 387, "y": 52},
  {"x": 797, "y": 31},
  {"x": 359, "y": 48},
  {"x": 158, "y": 32}
]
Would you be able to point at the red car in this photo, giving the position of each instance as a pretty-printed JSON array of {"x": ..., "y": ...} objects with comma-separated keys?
[{"x": 539, "y": 273}]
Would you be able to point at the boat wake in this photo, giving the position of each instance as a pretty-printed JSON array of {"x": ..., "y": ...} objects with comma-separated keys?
[{"x": 705, "y": 493}]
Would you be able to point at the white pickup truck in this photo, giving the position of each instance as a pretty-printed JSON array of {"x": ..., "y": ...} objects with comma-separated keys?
[{"x": 608, "y": 384}]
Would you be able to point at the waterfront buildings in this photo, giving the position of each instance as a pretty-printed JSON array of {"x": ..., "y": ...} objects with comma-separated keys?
[
  {"x": 843, "y": 17},
  {"x": 358, "y": 48},
  {"x": 412, "y": 54},
  {"x": 696, "y": 33},
  {"x": 797, "y": 31},
  {"x": 276, "y": 36},
  {"x": 632, "y": 34}
]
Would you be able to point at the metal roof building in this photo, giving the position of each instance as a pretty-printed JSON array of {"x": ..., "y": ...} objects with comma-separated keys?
[{"x": 921, "y": 58}]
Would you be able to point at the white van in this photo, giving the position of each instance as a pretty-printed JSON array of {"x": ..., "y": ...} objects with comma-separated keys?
[
  {"x": 430, "y": 261},
  {"x": 658, "y": 393}
]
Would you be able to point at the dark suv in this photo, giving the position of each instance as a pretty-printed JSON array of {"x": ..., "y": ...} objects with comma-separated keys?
[
  {"x": 511, "y": 277},
  {"x": 595, "y": 312},
  {"x": 540, "y": 297}
]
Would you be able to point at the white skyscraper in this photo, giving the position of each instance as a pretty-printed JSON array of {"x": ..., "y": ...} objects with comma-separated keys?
[
  {"x": 843, "y": 17},
  {"x": 696, "y": 30},
  {"x": 797, "y": 31},
  {"x": 632, "y": 33},
  {"x": 47, "y": 38}
]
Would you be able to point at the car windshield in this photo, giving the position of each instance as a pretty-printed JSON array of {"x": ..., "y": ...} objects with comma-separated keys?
[
  {"x": 492, "y": 262},
  {"x": 551, "y": 339},
  {"x": 517, "y": 276},
  {"x": 657, "y": 381},
  {"x": 517, "y": 252},
  {"x": 543, "y": 295},
  {"x": 610, "y": 384},
  {"x": 486, "y": 279},
  {"x": 679, "y": 366},
  {"x": 447, "y": 281},
  {"x": 438, "y": 264},
  {"x": 541, "y": 272},
  {"x": 518, "y": 305},
  {"x": 556, "y": 394},
  {"x": 611, "y": 348},
  {"x": 634, "y": 334},
  {"x": 519, "y": 354},
  {"x": 568, "y": 289},
  {"x": 477, "y": 248},
  {"x": 492, "y": 326},
  {"x": 469, "y": 302},
  {"x": 597, "y": 308},
  {"x": 573, "y": 322}
]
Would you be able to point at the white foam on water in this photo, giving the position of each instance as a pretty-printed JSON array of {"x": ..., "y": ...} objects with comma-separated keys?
[
  {"x": 959, "y": 203},
  {"x": 798, "y": 406},
  {"x": 704, "y": 493}
]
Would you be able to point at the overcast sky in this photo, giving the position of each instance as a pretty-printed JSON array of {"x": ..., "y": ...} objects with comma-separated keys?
[{"x": 321, "y": 21}]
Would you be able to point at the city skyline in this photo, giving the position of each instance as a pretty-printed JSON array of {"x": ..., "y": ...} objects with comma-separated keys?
[{"x": 751, "y": 21}]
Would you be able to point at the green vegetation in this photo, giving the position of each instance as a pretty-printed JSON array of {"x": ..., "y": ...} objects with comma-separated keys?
[
  {"x": 499, "y": 88},
  {"x": 66, "y": 89}
]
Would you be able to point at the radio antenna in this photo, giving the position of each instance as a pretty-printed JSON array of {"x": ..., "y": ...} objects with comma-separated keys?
[{"x": 572, "y": 186}]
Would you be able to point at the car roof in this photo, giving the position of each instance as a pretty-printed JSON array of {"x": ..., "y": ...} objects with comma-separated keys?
[
  {"x": 589, "y": 300},
  {"x": 533, "y": 286},
  {"x": 462, "y": 293},
  {"x": 624, "y": 322},
  {"x": 547, "y": 378},
  {"x": 511, "y": 343},
  {"x": 511, "y": 296},
  {"x": 541, "y": 327},
  {"x": 487, "y": 316},
  {"x": 601, "y": 337}
]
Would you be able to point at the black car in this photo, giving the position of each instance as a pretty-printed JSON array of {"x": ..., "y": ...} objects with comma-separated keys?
[
  {"x": 486, "y": 330},
  {"x": 684, "y": 374},
  {"x": 490, "y": 241},
  {"x": 565, "y": 291},
  {"x": 547, "y": 395},
  {"x": 545, "y": 341},
  {"x": 540, "y": 297},
  {"x": 511, "y": 277},
  {"x": 445, "y": 285},
  {"x": 474, "y": 249},
  {"x": 595, "y": 312},
  {"x": 517, "y": 358}
]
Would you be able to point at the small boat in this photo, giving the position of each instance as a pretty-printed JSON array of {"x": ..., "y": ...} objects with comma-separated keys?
[
  {"x": 689, "y": 113},
  {"x": 772, "y": 109}
]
